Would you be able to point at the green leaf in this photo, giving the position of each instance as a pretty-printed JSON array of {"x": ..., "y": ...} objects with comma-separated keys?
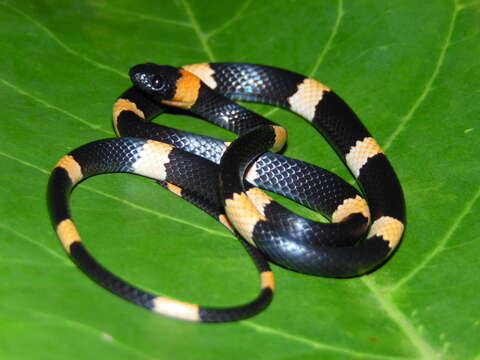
[{"x": 408, "y": 68}]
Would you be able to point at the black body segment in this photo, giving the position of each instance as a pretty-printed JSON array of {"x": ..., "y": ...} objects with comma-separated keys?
[
  {"x": 376, "y": 187},
  {"x": 257, "y": 83},
  {"x": 339, "y": 124},
  {"x": 240, "y": 312},
  {"x": 115, "y": 155},
  {"x": 58, "y": 189},
  {"x": 108, "y": 280},
  {"x": 225, "y": 113}
]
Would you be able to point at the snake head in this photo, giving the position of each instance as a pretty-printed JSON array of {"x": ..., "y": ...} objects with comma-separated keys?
[{"x": 157, "y": 81}]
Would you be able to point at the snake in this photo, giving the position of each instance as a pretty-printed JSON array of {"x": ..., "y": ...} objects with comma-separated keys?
[{"x": 226, "y": 179}]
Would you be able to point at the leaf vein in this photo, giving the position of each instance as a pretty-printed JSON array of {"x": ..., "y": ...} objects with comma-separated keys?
[
  {"x": 54, "y": 107},
  {"x": 321, "y": 55},
  {"x": 405, "y": 119},
  {"x": 155, "y": 18},
  {"x": 424, "y": 348},
  {"x": 198, "y": 31},
  {"x": 231, "y": 21},
  {"x": 315, "y": 344},
  {"x": 441, "y": 244},
  {"x": 36, "y": 243},
  {"x": 109, "y": 339},
  {"x": 328, "y": 45},
  {"x": 63, "y": 45}
]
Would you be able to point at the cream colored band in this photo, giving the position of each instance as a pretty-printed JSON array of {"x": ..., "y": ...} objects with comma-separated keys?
[{"x": 176, "y": 308}]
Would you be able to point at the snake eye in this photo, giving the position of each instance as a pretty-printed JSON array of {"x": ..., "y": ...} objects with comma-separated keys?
[{"x": 157, "y": 82}]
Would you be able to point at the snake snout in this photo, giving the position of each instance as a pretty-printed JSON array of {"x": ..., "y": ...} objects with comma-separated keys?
[{"x": 156, "y": 80}]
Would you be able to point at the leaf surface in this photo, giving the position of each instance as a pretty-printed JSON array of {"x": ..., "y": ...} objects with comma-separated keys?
[{"x": 410, "y": 70}]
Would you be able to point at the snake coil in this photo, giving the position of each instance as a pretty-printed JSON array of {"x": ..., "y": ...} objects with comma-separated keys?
[{"x": 225, "y": 179}]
